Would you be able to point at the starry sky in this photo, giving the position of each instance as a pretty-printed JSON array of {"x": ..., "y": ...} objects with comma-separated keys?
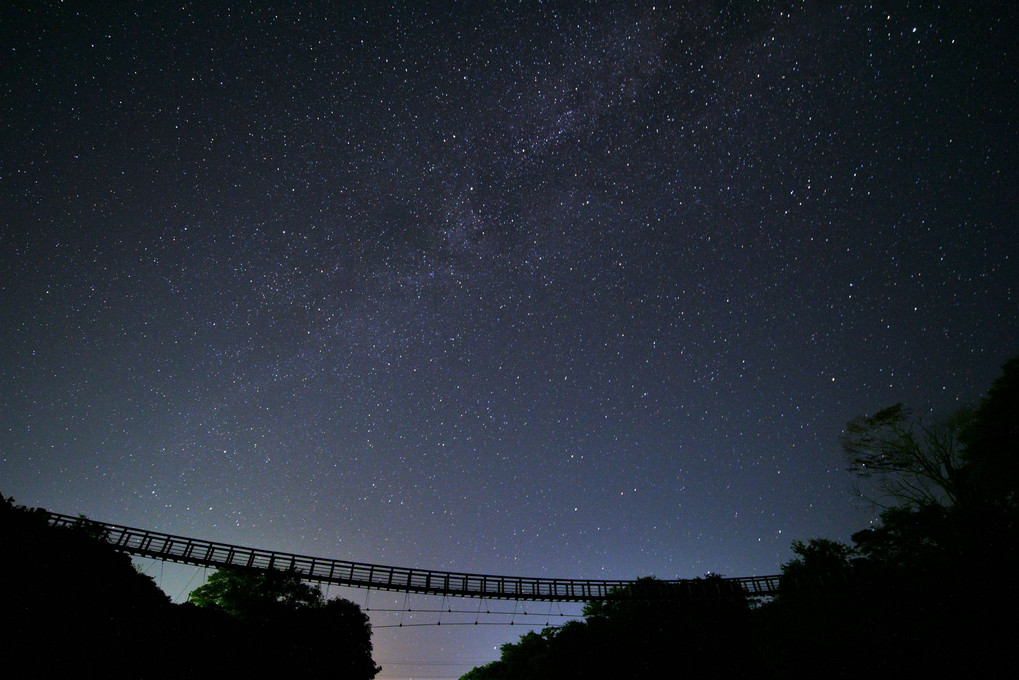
[{"x": 578, "y": 289}]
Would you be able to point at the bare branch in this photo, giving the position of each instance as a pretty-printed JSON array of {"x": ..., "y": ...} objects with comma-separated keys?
[{"x": 908, "y": 460}]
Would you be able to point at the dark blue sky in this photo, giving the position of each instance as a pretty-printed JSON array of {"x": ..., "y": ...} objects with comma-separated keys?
[{"x": 577, "y": 289}]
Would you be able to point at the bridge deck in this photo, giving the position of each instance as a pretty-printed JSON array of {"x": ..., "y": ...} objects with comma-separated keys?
[{"x": 195, "y": 551}]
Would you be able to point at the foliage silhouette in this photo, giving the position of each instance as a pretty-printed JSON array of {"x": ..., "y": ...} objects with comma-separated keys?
[
  {"x": 923, "y": 591},
  {"x": 991, "y": 446},
  {"x": 648, "y": 629},
  {"x": 75, "y": 604},
  {"x": 928, "y": 591},
  {"x": 256, "y": 595},
  {"x": 295, "y": 630},
  {"x": 72, "y": 603},
  {"x": 913, "y": 462}
]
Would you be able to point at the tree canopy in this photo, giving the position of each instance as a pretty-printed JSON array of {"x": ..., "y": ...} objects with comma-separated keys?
[
  {"x": 648, "y": 629},
  {"x": 913, "y": 462},
  {"x": 75, "y": 605},
  {"x": 249, "y": 594},
  {"x": 920, "y": 593},
  {"x": 296, "y": 629},
  {"x": 990, "y": 439}
]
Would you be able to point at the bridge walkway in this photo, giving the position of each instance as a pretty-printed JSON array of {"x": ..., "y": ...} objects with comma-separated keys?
[{"x": 182, "y": 549}]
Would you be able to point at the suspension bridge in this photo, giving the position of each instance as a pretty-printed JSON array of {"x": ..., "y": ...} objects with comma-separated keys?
[{"x": 193, "y": 551}]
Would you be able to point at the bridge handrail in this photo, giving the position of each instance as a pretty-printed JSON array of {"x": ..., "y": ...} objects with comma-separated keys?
[{"x": 159, "y": 545}]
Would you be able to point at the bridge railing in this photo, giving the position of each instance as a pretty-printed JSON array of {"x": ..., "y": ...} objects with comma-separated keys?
[{"x": 158, "y": 545}]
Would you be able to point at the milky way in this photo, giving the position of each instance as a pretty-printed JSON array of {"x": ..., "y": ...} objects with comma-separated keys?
[{"x": 584, "y": 290}]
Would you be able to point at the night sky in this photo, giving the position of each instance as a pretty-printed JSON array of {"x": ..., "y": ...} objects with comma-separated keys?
[{"x": 548, "y": 289}]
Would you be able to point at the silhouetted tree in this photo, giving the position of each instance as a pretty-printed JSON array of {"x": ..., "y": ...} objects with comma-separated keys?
[
  {"x": 928, "y": 591},
  {"x": 957, "y": 484},
  {"x": 819, "y": 563},
  {"x": 256, "y": 595},
  {"x": 73, "y": 604},
  {"x": 526, "y": 659},
  {"x": 924, "y": 589},
  {"x": 991, "y": 446},
  {"x": 913, "y": 462},
  {"x": 650, "y": 628},
  {"x": 284, "y": 625}
]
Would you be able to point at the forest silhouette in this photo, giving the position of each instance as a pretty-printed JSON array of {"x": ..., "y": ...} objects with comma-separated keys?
[
  {"x": 928, "y": 591},
  {"x": 74, "y": 604}
]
